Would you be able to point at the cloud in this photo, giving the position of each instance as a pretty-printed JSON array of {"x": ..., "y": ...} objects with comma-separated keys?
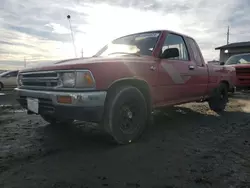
[
  {"x": 57, "y": 28},
  {"x": 39, "y": 30}
]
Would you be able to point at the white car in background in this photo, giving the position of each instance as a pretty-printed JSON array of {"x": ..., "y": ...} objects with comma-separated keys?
[{"x": 8, "y": 80}]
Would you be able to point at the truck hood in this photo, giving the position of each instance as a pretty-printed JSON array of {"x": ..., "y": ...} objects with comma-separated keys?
[
  {"x": 220, "y": 68},
  {"x": 86, "y": 62},
  {"x": 239, "y": 65}
]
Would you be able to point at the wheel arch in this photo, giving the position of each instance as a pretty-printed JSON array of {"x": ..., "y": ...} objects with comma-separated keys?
[{"x": 140, "y": 84}]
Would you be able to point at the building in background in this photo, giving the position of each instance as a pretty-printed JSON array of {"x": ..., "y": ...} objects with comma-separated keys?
[{"x": 228, "y": 50}]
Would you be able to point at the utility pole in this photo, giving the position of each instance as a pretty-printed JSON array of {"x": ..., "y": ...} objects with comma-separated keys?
[
  {"x": 228, "y": 35},
  {"x": 24, "y": 62},
  {"x": 82, "y": 52},
  {"x": 73, "y": 41}
]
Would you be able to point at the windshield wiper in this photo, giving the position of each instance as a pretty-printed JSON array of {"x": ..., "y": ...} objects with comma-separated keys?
[{"x": 137, "y": 54}]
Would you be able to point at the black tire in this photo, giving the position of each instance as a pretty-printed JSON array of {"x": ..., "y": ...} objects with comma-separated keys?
[
  {"x": 219, "y": 98},
  {"x": 125, "y": 114},
  {"x": 54, "y": 121}
]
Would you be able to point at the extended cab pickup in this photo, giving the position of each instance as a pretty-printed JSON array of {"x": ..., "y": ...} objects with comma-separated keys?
[{"x": 121, "y": 85}]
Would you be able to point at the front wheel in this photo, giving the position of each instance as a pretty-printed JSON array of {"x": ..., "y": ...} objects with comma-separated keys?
[
  {"x": 126, "y": 114},
  {"x": 55, "y": 121},
  {"x": 219, "y": 98}
]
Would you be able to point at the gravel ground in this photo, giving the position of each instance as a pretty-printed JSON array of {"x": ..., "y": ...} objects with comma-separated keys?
[{"x": 188, "y": 146}]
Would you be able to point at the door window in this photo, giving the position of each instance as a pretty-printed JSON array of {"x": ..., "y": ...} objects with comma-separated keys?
[
  {"x": 6, "y": 75},
  {"x": 13, "y": 74},
  {"x": 176, "y": 41}
]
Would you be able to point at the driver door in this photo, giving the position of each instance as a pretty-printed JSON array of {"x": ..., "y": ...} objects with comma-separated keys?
[{"x": 174, "y": 73}]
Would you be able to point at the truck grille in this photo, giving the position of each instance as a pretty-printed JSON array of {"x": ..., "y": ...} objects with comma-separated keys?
[
  {"x": 40, "y": 79},
  {"x": 243, "y": 71}
]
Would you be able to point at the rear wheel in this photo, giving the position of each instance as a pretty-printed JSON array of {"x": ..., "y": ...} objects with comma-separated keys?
[
  {"x": 55, "y": 121},
  {"x": 125, "y": 114},
  {"x": 219, "y": 98}
]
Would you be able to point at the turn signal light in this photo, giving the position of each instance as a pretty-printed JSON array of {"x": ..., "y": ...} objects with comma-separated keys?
[
  {"x": 64, "y": 99},
  {"x": 88, "y": 79}
]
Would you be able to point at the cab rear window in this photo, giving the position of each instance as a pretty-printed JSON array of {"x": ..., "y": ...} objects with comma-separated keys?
[{"x": 196, "y": 52}]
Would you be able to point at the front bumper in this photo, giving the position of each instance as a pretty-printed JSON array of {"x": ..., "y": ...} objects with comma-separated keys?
[{"x": 85, "y": 106}]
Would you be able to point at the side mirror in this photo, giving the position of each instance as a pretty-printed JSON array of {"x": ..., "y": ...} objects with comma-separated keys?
[
  {"x": 170, "y": 53},
  {"x": 222, "y": 63}
]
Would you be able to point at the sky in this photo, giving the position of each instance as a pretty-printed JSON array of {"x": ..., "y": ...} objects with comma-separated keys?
[{"x": 38, "y": 31}]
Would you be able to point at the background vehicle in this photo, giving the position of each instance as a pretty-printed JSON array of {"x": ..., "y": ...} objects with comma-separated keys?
[
  {"x": 8, "y": 80},
  {"x": 241, "y": 62},
  {"x": 121, "y": 85}
]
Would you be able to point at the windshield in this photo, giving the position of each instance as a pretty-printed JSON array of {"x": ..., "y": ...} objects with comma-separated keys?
[
  {"x": 239, "y": 59},
  {"x": 140, "y": 44}
]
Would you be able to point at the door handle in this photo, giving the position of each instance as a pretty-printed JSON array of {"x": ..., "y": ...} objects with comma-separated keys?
[
  {"x": 153, "y": 68},
  {"x": 191, "y": 67}
]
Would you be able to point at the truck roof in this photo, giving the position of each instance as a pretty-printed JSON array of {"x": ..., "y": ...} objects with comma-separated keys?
[{"x": 160, "y": 30}]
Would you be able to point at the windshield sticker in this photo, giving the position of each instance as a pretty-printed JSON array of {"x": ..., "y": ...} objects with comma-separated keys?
[
  {"x": 149, "y": 35},
  {"x": 243, "y": 61}
]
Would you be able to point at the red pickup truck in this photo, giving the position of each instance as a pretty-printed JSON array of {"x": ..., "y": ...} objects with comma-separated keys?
[
  {"x": 241, "y": 63},
  {"x": 121, "y": 85}
]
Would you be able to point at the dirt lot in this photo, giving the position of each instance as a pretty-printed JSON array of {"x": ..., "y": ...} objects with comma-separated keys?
[{"x": 188, "y": 146}]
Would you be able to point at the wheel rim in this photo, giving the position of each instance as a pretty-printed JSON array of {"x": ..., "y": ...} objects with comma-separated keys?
[{"x": 129, "y": 118}]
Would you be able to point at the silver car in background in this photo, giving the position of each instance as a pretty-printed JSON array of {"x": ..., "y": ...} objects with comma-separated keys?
[{"x": 8, "y": 80}]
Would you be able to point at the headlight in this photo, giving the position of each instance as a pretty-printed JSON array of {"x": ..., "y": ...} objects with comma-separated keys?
[
  {"x": 68, "y": 79},
  {"x": 19, "y": 79},
  {"x": 77, "y": 79}
]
